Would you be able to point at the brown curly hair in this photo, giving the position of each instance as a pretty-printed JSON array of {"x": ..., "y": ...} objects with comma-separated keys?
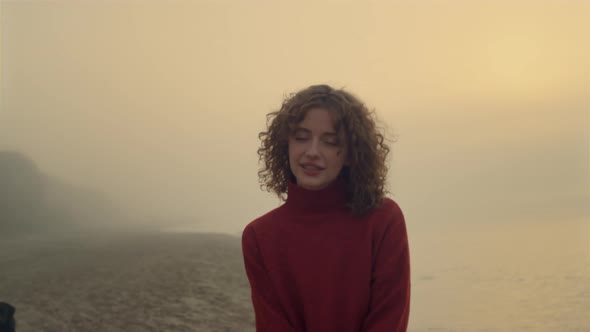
[{"x": 366, "y": 172}]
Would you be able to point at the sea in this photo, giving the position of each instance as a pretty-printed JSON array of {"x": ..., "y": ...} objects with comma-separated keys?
[{"x": 519, "y": 276}]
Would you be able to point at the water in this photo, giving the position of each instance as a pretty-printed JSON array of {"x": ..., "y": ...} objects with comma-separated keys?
[{"x": 507, "y": 277}]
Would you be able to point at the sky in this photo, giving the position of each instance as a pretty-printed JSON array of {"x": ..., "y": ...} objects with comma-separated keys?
[{"x": 159, "y": 104}]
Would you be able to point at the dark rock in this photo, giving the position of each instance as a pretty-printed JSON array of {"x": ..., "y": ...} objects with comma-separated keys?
[{"x": 7, "y": 321}]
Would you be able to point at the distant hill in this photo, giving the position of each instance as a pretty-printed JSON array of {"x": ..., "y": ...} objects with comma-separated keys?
[{"x": 31, "y": 201}]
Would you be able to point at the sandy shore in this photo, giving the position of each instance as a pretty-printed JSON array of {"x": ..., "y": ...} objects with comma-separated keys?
[
  {"x": 126, "y": 282},
  {"x": 478, "y": 278}
]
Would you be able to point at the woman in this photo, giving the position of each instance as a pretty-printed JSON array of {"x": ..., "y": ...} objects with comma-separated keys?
[{"x": 335, "y": 256}]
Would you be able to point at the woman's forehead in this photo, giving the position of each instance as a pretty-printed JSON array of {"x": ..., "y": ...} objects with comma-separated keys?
[{"x": 318, "y": 117}]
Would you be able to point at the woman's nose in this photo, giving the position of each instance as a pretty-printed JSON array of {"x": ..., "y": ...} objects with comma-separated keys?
[{"x": 312, "y": 148}]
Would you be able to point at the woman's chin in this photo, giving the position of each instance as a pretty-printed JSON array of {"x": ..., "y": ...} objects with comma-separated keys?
[{"x": 314, "y": 183}]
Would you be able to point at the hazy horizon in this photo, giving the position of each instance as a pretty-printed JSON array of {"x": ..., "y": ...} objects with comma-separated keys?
[{"x": 159, "y": 106}]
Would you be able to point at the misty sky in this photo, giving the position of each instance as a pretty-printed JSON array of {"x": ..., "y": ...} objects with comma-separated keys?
[{"x": 159, "y": 104}]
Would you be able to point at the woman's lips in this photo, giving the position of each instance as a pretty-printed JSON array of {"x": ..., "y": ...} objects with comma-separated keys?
[
  {"x": 311, "y": 170},
  {"x": 312, "y": 166}
]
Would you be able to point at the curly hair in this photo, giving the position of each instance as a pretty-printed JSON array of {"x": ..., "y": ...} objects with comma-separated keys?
[{"x": 365, "y": 174}]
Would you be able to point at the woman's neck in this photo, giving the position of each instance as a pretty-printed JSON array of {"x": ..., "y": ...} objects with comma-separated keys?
[{"x": 331, "y": 197}]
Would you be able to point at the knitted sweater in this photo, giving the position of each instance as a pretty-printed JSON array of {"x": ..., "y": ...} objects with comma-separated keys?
[{"x": 314, "y": 267}]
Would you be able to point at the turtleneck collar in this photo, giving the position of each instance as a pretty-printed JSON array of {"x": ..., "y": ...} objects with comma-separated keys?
[{"x": 305, "y": 200}]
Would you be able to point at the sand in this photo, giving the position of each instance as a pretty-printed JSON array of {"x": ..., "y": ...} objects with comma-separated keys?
[
  {"x": 505, "y": 277},
  {"x": 126, "y": 282}
]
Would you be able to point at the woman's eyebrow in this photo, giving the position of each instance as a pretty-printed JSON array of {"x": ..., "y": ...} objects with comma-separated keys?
[
  {"x": 307, "y": 131},
  {"x": 301, "y": 129}
]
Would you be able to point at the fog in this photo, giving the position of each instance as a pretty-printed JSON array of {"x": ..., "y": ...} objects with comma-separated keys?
[
  {"x": 144, "y": 115},
  {"x": 156, "y": 106}
]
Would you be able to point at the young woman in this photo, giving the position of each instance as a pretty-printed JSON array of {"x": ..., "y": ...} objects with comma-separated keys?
[{"x": 335, "y": 256}]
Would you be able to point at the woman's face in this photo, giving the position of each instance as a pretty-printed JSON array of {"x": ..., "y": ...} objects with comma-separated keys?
[{"x": 316, "y": 152}]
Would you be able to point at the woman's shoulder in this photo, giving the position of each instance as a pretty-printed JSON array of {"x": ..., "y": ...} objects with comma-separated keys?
[
  {"x": 389, "y": 207},
  {"x": 266, "y": 220},
  {"x": 388, "y": 213}
]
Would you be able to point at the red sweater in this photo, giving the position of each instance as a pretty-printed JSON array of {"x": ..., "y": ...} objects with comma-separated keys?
[{"x": 314, "y": 267}]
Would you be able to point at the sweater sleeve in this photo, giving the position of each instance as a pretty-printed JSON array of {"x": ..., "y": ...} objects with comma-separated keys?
[
  {"x": 389, "y": 307},
  {"x": 268, "y": 312}
]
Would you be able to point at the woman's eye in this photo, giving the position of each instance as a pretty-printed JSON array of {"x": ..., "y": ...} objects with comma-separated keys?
[
  {"x": 334, "y": 143},
  {"x": 300, "y": 139}
]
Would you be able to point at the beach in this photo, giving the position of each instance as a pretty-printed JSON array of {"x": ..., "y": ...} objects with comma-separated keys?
[
  {"x": 126, "y": 282},
  {"x": 529, "y": 277}
]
